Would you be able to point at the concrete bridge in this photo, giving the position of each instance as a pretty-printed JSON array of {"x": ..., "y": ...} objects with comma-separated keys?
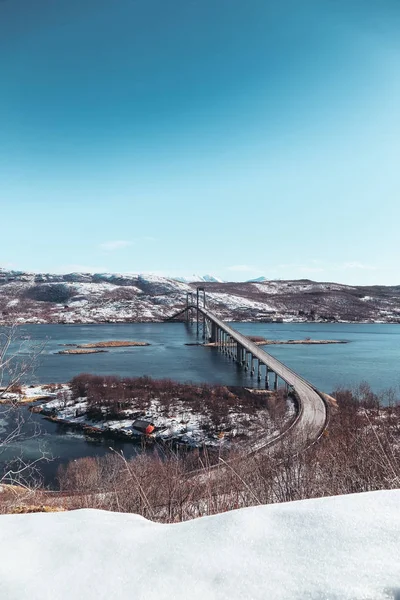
[{"x": 312, "y": 414}]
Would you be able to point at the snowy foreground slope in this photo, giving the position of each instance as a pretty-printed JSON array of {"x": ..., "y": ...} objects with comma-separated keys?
[{"x": 345, "y": 547}]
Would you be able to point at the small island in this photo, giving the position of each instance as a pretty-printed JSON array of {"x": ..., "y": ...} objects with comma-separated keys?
[
  {"x": 306, "y": 341},
  {"x": 82, "y": 351},
  {"x": 260, "y": 341},
  {"x": 113, "y": 344},
  {"x": 96, "y": 347}
]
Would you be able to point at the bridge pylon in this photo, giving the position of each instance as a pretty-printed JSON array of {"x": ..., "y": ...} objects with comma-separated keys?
[{"x": 203, "y": 316}]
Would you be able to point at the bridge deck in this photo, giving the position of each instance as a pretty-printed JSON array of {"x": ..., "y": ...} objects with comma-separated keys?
[
  {"x": 312, "y": 417},
  {"x": 313, "y": 414}
]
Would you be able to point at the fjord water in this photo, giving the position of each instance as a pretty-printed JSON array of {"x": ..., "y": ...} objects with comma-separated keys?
[{"x": 372, "y": 354}]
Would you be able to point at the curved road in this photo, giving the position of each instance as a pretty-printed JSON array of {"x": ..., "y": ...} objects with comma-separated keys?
[{"x": 312, "y": 415}]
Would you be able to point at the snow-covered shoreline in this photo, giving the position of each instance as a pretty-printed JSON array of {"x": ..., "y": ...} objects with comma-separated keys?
[{"x": 178, "y": 423}]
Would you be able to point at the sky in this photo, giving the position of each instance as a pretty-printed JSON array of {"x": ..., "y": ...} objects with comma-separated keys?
[{"x": 241, "y": 138}]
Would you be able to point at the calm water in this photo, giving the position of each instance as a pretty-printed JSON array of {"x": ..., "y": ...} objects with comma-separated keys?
[
  {"x": 58, "y": 443},
  {"x": 372, "y": 355}
]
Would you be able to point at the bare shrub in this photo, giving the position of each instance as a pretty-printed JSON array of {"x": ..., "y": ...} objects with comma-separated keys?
[
  {"x": 359, "y": 452},
  {"x": 18, "y": 357}
]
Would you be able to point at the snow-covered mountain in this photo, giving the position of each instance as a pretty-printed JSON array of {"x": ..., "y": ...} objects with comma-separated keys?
[
  {"x": 257, "y": 279},
  {"x": 194, "y": 278},
  {"x": 345, "y": 547},
  {"x": 212, "y": 279},
  {"x": 111, "y": 297}
]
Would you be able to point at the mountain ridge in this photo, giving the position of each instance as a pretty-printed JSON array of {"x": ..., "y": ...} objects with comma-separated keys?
[{"x": 114, "y": 297}]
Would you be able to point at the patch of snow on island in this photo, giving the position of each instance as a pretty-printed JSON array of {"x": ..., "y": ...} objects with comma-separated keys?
[{"x": 344, "y": 547}]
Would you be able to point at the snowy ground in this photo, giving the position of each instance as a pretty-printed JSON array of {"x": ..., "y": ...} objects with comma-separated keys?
[
  {"x": 179, "y": 423},
  {"x": 102, "y": 297},
  {"x": 345, "y": 547},
  {"x": 32, "y": 393}
]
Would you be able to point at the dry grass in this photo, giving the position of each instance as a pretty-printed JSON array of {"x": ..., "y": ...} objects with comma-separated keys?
[
  {"x": 10, "y": 492},
  {"x": 22, "y": 510},
  {"x": 359, "y": 452}
]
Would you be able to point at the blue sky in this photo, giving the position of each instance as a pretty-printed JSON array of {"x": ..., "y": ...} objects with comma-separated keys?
[{"x": 234, "y": 137}]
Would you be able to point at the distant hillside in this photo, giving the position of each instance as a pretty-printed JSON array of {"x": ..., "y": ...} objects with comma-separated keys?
[{"x": 103, "y": 297}]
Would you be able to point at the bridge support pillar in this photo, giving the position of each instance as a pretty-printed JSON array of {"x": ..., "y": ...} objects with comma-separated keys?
[
  {"x": 252, "y": 366},
  {"x": 239, "y": 354},
  {"x": 276, "y": 382},
  {"x": 245, "y": 362},
  {"x": 259, "y": 371},
  {"x": 191, "y": 315},
  {"x": 266, "y": 378},
  {"x": 213, "y": 332},
  {"x": 197, "y": 315}
]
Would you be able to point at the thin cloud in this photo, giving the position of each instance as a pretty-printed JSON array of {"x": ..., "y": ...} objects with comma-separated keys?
[
  {"x": 357, "y": 265},
  {"x": 301, "y": 268},
  {"x": 244, "y": 269},
  {"x": 81, "y": 269},
  {"x": 310, "y": 269},
  {"x": 115, "y": 245},
  {"x": 317, "y": 266}
]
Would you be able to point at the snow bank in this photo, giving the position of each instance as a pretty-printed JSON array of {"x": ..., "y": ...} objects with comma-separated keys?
[{"x": 346, "y": 547}]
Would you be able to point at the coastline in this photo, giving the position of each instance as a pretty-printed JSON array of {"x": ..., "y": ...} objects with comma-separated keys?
[
  {"x": 20, "y": 321},
  {"x": 180, "y": 415},
  {"x": 279, "y": 343}
]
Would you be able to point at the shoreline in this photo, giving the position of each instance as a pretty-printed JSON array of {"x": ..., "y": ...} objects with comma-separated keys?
[
  {"x": 171, "y": 417},
  {"x": 98, "y": 347},
  {"x": 228, "y": 320},
  {"x": 276, "y": 343}
]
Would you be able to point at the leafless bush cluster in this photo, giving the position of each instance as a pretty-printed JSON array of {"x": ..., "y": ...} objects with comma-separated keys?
[
  {"x": 110, "y": 396},
  {"x": 359, "y": 452},
  {"x": 18, "y": 356},
  {"x": 50, "y": 292},
  {"x": 120, "y": 293}
]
